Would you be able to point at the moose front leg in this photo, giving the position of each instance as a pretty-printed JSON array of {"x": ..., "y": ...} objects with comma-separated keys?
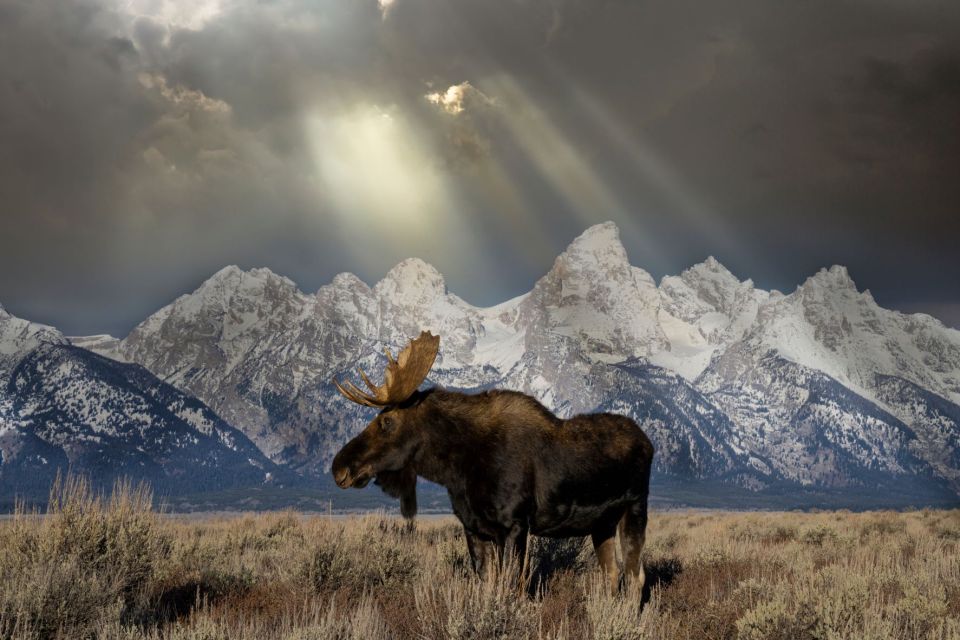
[{"x": 483, "y": 552}]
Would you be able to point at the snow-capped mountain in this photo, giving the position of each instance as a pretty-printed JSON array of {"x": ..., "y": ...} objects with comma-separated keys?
[
  {"x": 828, "y": 335},
  {"x": 703, "y": 310},
  {"x": 63, "y": 407},
  {"x": 818, "y": 388},
  {"x": 18, "y": 337}
]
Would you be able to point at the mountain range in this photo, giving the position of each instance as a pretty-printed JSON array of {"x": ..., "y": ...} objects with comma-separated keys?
[{"x": 745, "y": 392}]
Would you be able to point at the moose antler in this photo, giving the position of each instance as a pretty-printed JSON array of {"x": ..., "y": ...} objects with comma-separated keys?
[{"x": 402, "y": 376}]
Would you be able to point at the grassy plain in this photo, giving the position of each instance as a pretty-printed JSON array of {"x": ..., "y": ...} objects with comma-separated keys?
[{"x": 113, "y": 568}]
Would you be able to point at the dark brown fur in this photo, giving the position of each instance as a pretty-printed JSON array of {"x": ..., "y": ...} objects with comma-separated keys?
[{"x": 511, "y": 468}]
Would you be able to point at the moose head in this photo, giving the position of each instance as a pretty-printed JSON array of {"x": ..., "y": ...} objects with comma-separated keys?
[{"x": 385, "y": 449}]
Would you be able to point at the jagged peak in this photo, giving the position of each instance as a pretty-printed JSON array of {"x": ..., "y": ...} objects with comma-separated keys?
[
  {"x": 604, "y": 233},
  {"x": 837, "y": 277},
  {"x": 264, "y": 272},
  {"x": 348, "y": 280},
  {"x": 714, "y": 265},
  {"x": 229, "y": 272},
  {"x": 15, "y": 332},
  {"x": 232, "y": 277},
  {"x": 602, "y": 237},
  {"x": 713, "y": 269},
  {"x": 599, "y": 244},
  {"x": 412, "y": 267},
  {"x": 413, "y": 275}
]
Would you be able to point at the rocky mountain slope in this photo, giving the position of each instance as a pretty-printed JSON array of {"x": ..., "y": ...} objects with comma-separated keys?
[
  {"x": 818, "y": 388},
  {"x": 63, "y": 407}
]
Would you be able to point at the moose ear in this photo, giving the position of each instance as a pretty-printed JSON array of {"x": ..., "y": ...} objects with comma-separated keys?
[{"x": 401, "y": 484}]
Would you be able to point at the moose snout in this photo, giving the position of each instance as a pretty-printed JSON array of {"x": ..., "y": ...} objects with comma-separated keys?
[
  {"x": 349, "y": 465},
  {"x": 341, "y": 471},
  {"x": 341, "y": 477}
]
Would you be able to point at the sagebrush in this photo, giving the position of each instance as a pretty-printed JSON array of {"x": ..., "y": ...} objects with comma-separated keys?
[{"x": 111, "y": 568}]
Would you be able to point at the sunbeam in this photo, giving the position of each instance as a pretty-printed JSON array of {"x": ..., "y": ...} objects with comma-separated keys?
[
  {"x": 563, "y": 166},
  {"x": 374, "y": 171},
  {"x": 655, "y": 169}
]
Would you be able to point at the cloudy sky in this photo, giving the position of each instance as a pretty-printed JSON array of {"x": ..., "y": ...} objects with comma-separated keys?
[{"x": 144, "y": 144}]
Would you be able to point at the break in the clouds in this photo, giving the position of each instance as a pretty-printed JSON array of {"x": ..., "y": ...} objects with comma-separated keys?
[
  {"x": 455, "y": 98},
  {"x": 146, "y": 143}
]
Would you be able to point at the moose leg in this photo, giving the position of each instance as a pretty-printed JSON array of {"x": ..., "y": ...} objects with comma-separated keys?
[
  {"x": 633, "y": 531},
  {"x": 605, "y": 545},
  {"x": 515, "y": 547},
  {"x": 483, "y": 552}
]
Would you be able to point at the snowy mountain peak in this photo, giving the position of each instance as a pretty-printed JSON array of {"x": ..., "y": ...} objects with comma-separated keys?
[
  {"x": 227, "y": 272},
  {"x": 17, "y": 336},
  {"x": 713, "y": 264},
  {"x": 712, "y": 268},
  {"x": 599, "y": 244},
  {"x": 594, "y": 302},
  {"x": 348, "y": 281},
  {"x": 712, "y": 282},
  {"x": 836, "y": 278},
  {"x": 232, "y": 276},
  {"x": 595, "y": 265},
  {"x": 599, "y": 235},
  {"x": 708, "y": 287},
  {"x": 412, "y": 279},
  {"x": 260, "y": 284}
]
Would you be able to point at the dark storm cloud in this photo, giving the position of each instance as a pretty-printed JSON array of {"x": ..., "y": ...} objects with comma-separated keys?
[{"x": 138, "y": 155}]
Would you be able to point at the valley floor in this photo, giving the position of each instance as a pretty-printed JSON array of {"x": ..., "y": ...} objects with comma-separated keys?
[{"x": 114, "y": 569}]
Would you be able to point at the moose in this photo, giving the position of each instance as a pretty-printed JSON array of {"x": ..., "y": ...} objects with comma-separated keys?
[{"x": 510, "y": 466}]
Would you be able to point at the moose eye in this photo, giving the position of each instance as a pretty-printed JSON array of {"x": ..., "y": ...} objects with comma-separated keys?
[{"x": 387, "y": 423}]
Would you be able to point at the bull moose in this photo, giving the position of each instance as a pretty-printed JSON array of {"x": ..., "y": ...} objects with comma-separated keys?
[{"x": 510, "y": 466}]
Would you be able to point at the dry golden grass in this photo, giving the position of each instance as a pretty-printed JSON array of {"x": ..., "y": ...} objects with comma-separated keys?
[{"x": 113, "y": 569}]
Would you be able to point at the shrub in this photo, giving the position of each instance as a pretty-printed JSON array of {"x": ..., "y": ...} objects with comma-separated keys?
[
  {"x": 358, "y": 563},
  {"x": 547, "y": 556},
  {"x": 110, "y": 569},
  {"x": 493, "y": 607},
  {"x": 613, "y": 616},
  {"x": 918, "y": 614},
  {"x": 771, "y": 620},
  {"x": 818, "y": 535},
  {"x": 87, "y": 561}
]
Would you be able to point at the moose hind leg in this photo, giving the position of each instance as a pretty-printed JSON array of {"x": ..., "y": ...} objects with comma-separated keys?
[
  {"x": 605, "y": 546},
  {"x": 515, "y": 548},
  {"x": 633, "y": 531}
]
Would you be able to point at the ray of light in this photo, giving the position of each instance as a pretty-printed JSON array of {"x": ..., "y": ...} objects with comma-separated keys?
[
  {"x": 514, "y": 213},
  {"x": 376, "y": 178},
  {"x": 390, "y": 196},
  {"x": 562, "y": 165},
  {"x": 372, "y": 167},
  {"x": 682, "y": 197}
]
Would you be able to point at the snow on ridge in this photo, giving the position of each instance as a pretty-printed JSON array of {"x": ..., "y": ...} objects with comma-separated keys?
[
  {"x": 591, "y": 294},
  {"x": 260, "y": 352},
  {"x": 411, "y": 278},
  {"x": 17, "y": 336}
]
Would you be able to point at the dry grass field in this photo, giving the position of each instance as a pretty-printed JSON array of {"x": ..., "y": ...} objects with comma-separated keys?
[{"x": 112, "y": 568}]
